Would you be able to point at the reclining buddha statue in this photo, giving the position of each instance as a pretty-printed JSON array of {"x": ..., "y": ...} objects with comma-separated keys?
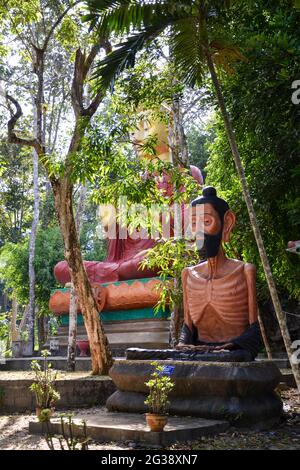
[{"x": 125, "y": 251}]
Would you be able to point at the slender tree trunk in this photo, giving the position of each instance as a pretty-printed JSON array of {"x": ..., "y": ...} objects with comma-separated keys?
[
  {"x": 180, "y": 148},
  {"x": 38, "y": 134},
  {"x": 71, "y": 356},
  {"x": 176, "y": 323},
  {"x": 13, "y": 324},
  {"x": 31, "y": 270},
  {"x": 23, "y": 321},
  {"x": 264, "y": 336},
  {"x": 41, "y": 330},
  {"x": 100, "y": 350},
  {"x": 253, "y": 220}
]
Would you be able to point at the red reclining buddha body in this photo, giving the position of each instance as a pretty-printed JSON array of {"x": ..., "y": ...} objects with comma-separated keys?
[{"x": 124, "y": 255}]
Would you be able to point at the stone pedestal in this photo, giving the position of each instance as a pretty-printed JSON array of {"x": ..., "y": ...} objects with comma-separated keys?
[{"x": 241, "y": 393}]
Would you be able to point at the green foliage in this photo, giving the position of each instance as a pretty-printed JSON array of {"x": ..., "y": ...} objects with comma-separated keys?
[
  {"x": 108, "y": 161},
  {"x": 160, "y": 386},
  {"x": 258, "y": 96},
  {"x": 44, "y": 385},
  {"x": 23, "y": 12},
  {"x": 170, "y": 257},
  {"x": 198, "y": 140},
  {"x": 68, "y": 33},
  {"x": 14, "y": 266},
  {"x": 4, "y": 326},
  {"x": 15, "y": 193},
  {"x": 93, "y": 247},
  {"x": 49, "y": 250},
  {"x": 194, "y": 27}
]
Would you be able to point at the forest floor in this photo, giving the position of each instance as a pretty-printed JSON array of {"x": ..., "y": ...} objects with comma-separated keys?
[{"x": 14, "y": 433}]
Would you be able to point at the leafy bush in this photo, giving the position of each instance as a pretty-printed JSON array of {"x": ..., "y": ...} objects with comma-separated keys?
[
  {"x": 45, "y": 394},
  {"x": 160, "y": 386}
]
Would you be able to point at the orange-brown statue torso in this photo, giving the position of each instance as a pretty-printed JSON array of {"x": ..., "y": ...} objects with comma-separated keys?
[{"x": 218, "y": 307}]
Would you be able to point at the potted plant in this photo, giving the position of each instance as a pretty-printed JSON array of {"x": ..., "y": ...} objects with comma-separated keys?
[
  {"x": 160, "y": 386},
  {"x": 44, "y": 387}
]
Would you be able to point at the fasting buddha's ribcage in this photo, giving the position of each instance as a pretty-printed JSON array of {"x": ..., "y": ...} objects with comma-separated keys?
[{"x": 218, "y": 307}]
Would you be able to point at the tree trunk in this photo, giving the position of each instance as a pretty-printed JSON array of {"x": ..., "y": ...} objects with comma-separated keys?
[
  {"x": 100, "y": 351},
  {"x": 176, "y": 323},
  {"x": 264, "y": 336},
  {"x": 31, "y": 270},
  {"x": 179, "y": 147},
  {"x": 71, "y": 355},
  {"x": 23, "y": 322},
  {"x": 253, "y": 220},
  {"x": 37, "y": 129},
  {"x": 41, "y": 319}
]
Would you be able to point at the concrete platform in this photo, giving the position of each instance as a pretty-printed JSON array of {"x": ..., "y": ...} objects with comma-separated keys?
[
  {"x": 122, "y": 427},
  {"x": 59, "y": 363},
  {"x": 77, "y": 389}
]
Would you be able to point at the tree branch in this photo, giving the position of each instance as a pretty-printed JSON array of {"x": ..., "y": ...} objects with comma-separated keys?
[
  {"x": 57, "y": 22},
  {"x": 12, "y": 137},
  {"x": 83, "y": 65}
]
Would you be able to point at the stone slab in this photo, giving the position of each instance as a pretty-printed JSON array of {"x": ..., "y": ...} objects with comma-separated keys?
[{"x": 120, "y": 427}]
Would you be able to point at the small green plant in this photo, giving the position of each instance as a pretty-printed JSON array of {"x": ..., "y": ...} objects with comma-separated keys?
[
  {"x": 53, "y": 325},
  {"x": 67, "y": 440},
  {"x": 43, "y": 387},
  {"x": 160, "y": 386}
]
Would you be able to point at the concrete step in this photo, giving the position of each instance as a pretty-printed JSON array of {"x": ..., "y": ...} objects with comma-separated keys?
[
  {"x": 148, "y": 333},
  {"x": 119, "y": 427}
]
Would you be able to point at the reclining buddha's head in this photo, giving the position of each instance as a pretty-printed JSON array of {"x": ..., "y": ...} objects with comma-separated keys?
[{"x": 148, "y": 127}]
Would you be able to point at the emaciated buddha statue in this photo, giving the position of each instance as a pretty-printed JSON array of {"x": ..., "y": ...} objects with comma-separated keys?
[
  {"x": 219, "y": 294},
  {"x": 220, "y": 308}
]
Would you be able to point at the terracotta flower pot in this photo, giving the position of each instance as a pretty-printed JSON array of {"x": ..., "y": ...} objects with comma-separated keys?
[
  {"x": 156, "y": 422},
  {"x": 83, "y": 348}
]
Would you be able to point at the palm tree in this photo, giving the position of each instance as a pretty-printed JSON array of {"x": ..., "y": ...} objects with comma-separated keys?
[{"x": 197, "y": 43}]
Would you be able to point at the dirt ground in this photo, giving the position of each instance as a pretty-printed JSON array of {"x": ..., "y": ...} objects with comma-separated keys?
[{"x": 14, "y": 434}]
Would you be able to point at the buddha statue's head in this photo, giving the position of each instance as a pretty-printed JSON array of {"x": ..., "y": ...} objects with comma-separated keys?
[
  {"x": 212, "y": 221},
  {"x": 147, "y": 127}
]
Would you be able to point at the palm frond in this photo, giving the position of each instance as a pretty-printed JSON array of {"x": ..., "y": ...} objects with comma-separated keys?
[
  {"x": 123, "y": 16},
  {"x": 187, "y": 49},
  {"x": 145, "y": 20},
  {"x": 225, "y": 54},
  {"x": 123, "y": 57}
]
